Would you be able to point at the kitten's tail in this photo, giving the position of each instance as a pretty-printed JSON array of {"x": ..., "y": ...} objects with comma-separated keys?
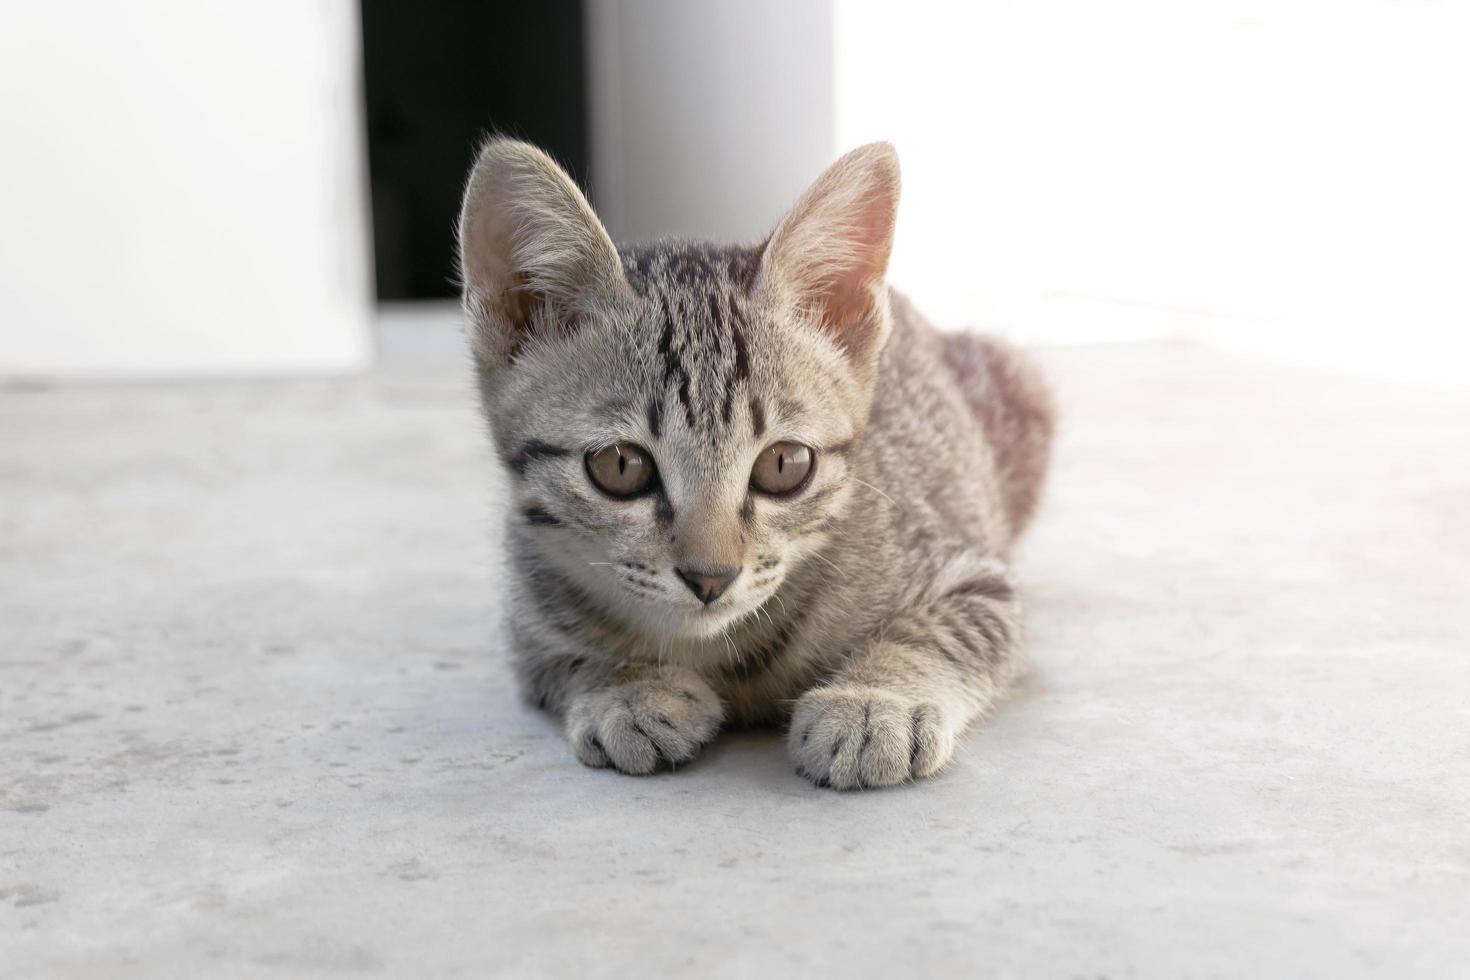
[{"x": 1007, "y": 393}]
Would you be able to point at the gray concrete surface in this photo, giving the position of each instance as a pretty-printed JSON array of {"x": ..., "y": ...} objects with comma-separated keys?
[{"x": 254, "y": 721}]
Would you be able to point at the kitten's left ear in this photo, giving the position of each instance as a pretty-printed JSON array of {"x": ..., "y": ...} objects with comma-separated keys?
[
  {"x": 532, "y": 254},
  {"x": 830, "y": 253}
]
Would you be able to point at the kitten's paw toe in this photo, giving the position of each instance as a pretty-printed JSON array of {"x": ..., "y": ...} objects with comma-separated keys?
[
  {"x": 856, "y": 737},
  {"x": 644, "y": 725}
]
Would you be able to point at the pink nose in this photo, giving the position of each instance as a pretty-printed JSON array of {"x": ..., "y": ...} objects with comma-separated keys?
[{"x": 708, "y": 583}]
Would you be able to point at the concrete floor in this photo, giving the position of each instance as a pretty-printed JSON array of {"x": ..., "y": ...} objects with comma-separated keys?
[{"x": 254, "y": 719}]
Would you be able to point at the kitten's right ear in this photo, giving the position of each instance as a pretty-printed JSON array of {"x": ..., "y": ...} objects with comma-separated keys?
[
  {"x": 830, "y": 253},
  {"x": 532, "y": 255}
]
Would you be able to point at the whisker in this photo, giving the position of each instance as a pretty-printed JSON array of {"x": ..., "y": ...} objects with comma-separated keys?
[
  {"x": 823, "y": 558},
  {"x": 877, "y": 491}
]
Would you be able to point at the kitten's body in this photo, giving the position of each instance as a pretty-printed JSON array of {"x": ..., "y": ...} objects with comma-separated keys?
[{"x": 872, "y": 608}]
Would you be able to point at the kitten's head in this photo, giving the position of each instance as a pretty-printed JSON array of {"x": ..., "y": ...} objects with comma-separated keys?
[{"x": 678, "y": 418}]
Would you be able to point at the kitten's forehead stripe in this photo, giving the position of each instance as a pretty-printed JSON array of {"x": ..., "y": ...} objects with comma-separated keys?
[
  {"x": 740, "y": 371},
  {"x": 655, "y": 416},
  {"x": 675, "y": 370},
  {"x": 697, "y": 295},
  {"x": 685, "y": 400},
  {"x": 738, "y": 329}
]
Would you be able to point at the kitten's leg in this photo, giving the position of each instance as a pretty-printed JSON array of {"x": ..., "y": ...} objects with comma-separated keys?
[
  {"x": 632, "y": 717},
  {"x": 895, "y": 709},
  {"x": 661, "y": 718}
]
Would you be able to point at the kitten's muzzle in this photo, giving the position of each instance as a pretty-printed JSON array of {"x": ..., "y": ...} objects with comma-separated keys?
[{"x": 708, "y": 583}]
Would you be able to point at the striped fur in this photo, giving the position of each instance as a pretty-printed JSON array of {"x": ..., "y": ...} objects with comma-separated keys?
[{"x": 872, "y": 612}]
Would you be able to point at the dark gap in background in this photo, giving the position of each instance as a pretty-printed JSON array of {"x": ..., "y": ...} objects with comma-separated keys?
[{"x": 439, "y": 76}]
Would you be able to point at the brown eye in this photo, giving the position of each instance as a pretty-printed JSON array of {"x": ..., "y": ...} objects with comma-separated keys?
[
  {"x": 782, "y": 468},
  {"x": 621, "y": 470}
]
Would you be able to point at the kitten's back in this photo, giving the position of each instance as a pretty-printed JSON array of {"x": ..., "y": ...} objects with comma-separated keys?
[
  {"x": 981, "y": 413},
  {"x": 1005, "y": 390}
]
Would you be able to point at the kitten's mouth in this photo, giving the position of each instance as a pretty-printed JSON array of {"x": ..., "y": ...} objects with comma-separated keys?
[
  {"x": 708, "y": 620},
  {"x": 685, "y": 617}
]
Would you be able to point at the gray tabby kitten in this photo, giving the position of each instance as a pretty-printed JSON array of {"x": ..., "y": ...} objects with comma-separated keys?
[{"x": 751, "y": 484}]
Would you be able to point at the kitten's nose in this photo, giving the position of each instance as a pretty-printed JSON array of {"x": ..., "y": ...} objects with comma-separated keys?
[{"x": 708, "y": 583}]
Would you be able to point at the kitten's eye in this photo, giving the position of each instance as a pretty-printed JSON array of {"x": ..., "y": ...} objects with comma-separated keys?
[
  {"x": 782, "y": 468},
  {"x": 621, "y": 470}
]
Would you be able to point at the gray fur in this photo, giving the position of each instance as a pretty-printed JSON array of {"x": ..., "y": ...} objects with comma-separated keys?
[{"x": 873, "y": 610}]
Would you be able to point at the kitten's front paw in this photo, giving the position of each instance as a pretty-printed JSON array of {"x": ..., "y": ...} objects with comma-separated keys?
[
  {"x": 642, "y": 725},
  {"x": 855, "y": 737}
]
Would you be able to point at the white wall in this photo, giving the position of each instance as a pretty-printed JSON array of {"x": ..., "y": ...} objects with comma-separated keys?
[
  {"x": 709, "y": 117},
  {"x": 182, "y": 188},
  {"x": 1290, "y": 177}
]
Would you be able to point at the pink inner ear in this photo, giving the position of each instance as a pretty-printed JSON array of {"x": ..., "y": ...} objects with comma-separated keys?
[
  {"x": 847, "y": 310},
  {"x": 831, "y": 250},
  {"x": 523, "y": 306},
  {"x": 845, "y": 300}
]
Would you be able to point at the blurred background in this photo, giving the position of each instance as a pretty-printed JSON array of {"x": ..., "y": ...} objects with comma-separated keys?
[{"x": 213, "y": 188}]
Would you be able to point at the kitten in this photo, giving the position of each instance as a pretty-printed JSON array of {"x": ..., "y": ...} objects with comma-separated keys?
[{"x": 751, "y": 484}]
